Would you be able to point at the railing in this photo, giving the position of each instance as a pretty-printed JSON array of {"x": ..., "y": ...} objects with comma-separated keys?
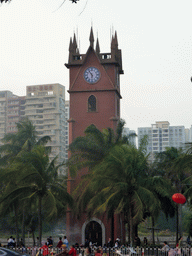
[{"x": 123, "y": 251}]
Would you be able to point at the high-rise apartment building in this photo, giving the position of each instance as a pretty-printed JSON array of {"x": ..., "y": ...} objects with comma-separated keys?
[
  {"x": 161, "y": 135},
  {"x": 45, "y": 107},
  {"x": 11, "y": 112},
  {"x": 15, "y": 112},
  {"x": 67, "y": 113},
  {"x": 3, "y": 112}
]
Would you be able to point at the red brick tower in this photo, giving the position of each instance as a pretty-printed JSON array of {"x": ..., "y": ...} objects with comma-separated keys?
[{"x": 94, "y": 99}]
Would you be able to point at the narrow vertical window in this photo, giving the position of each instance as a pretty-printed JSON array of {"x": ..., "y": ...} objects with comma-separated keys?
[{"x": 92, "y": 104}]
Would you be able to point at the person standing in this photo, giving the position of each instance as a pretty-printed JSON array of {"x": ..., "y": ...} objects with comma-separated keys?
[
  {"x": 45, "y": 249},
  {"x": 98, "y": 252},
  {"x": 63, "y": 251},
  {"x": 188, "y": 240},
  {"x": 65, "y": 241},
  {"x": 10, "y": 242},
  {"x": 88, "y": 251},
  {"x": 59, "y": 243},
  {"x": 109, "y": 243},
  {"x": 166, "y": 247},
  {"x": 145, "y": 242},
  {"x": 137, "y": 241},
  {"x": 38, "y": 242},
  {"x": 86, "y": 243},
  {"x": 72, "y": 251},
  {"x": 180, "y": 242},
  {"x": 50, "y": 240}
]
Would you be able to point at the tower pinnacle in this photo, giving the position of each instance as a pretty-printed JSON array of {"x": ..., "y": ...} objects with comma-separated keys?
[
  {"x": 91, "y": 38},
  {"x": 97, "y": 46}
]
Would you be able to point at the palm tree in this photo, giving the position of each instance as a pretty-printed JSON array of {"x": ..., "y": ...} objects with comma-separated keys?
[
  {"x": 25, "y": 138},
  {"x": 173, "y": 164},
  {"x": 37, "y": 180},
  {"x": 91, "y": 149},
  {"x": 162, "y": 190},
  {"x": 117, "y": 184},
  {"x": 14, "y": 144}
]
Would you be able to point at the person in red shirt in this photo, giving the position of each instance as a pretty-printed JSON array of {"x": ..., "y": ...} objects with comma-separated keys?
[
  {"x": 59, "y": 243},
  {"x": 63, "y": 251},
  {"x": 98, "y": 252},
  {"x": 72, "y": 251},
  {"x": 45, "y": 249}
]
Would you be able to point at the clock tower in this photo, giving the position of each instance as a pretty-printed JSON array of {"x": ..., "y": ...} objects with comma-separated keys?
[{"x": 94, "y": 90}]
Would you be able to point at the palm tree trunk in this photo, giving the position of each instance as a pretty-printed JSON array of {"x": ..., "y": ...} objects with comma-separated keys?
[
  {"x": 177, "y": 223},
  {"x": 153, "y": 229},
  {"x": 33, "y": 235},
  {"x": 16, "y": 222},
  {"x": 128, "y": 232},
  {"x": 135, "y": 230},
  {"x": 23, "y": 227},
  {"x": 40, "y": 220},
  {"x": 131, "y": 226},
  {"x": 112, "y": 228}
]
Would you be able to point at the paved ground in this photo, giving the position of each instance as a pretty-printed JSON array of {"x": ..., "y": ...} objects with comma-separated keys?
[{"x": 7, "y": 252}]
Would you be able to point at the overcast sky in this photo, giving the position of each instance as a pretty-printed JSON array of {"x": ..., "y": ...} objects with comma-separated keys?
[{"x": 155, "y": 38}]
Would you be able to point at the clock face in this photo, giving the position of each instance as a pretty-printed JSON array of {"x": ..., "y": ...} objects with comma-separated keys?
[{"x": 92, "y": 75}]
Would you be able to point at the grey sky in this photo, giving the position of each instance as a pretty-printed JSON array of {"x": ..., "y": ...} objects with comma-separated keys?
[{"x": 155, "y": 38}]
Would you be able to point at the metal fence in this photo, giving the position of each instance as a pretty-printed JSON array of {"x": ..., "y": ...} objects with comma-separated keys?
[{"x": 124, "y": 251}]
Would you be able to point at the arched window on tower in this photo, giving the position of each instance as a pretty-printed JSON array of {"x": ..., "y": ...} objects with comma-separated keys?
[{"x": 92, "y": 104}]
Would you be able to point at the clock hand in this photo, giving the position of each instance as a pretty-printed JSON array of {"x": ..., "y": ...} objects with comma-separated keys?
[{"x": 91, "y": 73}]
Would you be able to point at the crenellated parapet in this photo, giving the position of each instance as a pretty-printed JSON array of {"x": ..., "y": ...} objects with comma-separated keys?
[{"x": 113, "y": 57}]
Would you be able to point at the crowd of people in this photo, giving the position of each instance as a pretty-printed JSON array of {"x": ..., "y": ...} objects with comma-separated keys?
[
  {"x": 90, "y": 249},
  {"x": 11, "y": 242}
]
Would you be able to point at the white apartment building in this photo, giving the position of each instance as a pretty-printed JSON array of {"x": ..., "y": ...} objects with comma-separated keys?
[
  {"x": 11, "y": 112},
  {"x": 15, "y": 112},
  {"x": 4, "y": 95},
  {"x": 67, "y": 127},
  {"x": 45, "y": 107},
  {"x": 161, "y": 135}
]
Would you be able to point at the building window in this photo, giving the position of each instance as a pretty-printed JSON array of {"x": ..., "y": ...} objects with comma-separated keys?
[{"x": 92, "y": 104}]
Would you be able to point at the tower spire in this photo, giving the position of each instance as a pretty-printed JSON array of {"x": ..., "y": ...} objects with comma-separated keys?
[
  {"x": 70, "y": 50},
  {"x": 74, "y": 43},
  {"x": 91, "y": 38},
  {"x": 115, "y": 40},
  {"x": 97, "y": 46},
  {"x": 70, "y": 45}
]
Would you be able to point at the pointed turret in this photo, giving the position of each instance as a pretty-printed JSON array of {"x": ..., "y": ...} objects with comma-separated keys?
[
  {"x": 112, "y": 43},
  {"x": 70, "y": 44},
  {"x": 97, "y": 46},
  {"x": 70, "y": 50},
  {"x": 74, "y": 44},
  {"x": 112, "y": 57},
  {"x": 91, "y": 38},
  {"x": 115, "y": 40},
  {"x": 114, "y": 47}
]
